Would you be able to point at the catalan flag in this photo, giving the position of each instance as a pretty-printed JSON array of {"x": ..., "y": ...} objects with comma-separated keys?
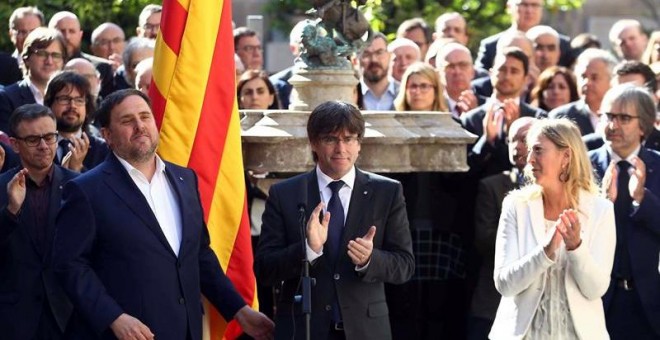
[{"x": 194, "y": 101}]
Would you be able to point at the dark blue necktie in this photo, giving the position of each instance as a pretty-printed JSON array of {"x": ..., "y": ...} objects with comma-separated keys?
[
  {"x": 62, "y": 149},
  {"x": 622, "y": 206},
  {"x": 336, "y": 225}
]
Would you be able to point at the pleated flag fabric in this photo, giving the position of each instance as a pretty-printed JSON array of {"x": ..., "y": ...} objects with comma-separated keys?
[{"x": 194, "y": 101}]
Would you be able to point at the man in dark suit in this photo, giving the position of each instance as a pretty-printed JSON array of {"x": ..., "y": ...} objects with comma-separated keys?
[
  {"x": 490, "y": 195},
  {"x": 9, "y": 71},
  {"x": 359, "y": 243},
  {"x": 489, "y": 155},
  {"x": 132, "y": 250},
  {"x": 631, "y": 180},
  {"x": 43, "y": 55},
  {"x": 33, "y": 305},
  {"x": 69, "y": 96},
  {"x": 525, "y": 14},
  {"x": 593, "y": 70},
  {"x": 454, "y": 63}
]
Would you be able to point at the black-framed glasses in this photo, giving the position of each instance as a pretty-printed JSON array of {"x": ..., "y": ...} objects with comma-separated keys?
[
  {"x": 66, "y": 100},
  {"x": 43, "y": 54},
  {"x": 622, "y": 118},
  {"x": 34, "y": 140}
]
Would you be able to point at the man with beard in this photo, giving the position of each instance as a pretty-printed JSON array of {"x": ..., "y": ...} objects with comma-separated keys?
[
  {"x": 132, "y": 249},
  {"x": 70, "y": 98},
  {"x": 492, "y": 120},
  {"x": 33, "y": 305},
  {"x": 378, "y": 90}
]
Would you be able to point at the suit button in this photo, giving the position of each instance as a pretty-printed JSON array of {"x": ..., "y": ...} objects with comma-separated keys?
[
  {"x": 182, "y": 301},
  {"x": 328, "y": 308},
  {"x": 336, "y": 276}
]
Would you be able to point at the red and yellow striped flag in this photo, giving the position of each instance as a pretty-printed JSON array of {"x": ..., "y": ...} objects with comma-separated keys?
[{"x": 194, "y": 101}]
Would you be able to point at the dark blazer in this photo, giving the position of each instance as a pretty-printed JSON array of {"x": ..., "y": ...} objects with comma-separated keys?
[
  {"x": 12, "y": 97},
  {"x": 112, "y": 257},
  {"x": 490, "y": 195},
  {"x": 10, "y": 72},
  {"x": 487, "y": 159},
  {"x": 375, "y": 200},
  {"x": 577, "y": 111},
  {"x": 97, "y": 153},
  {"x": 643, "y": 236},
  {"x": 596, "y": 140},
  {"x": 26, "y": 277},
  {"x": 653, "y": 140},
  {"x": 11, "y": 159},
  {"x": 280, "y": 81},
  {"x": 488, "y": 47}
]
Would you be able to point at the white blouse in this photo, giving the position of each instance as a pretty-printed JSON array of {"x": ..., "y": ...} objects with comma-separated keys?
[{"x": 552, "y": 319}]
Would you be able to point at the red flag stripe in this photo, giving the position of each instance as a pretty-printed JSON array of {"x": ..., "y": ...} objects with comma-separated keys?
[{"x": 175, "y": 16}]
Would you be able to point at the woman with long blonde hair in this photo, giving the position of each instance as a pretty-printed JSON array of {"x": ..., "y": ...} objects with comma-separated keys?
[{"x": 555, "y": 243}]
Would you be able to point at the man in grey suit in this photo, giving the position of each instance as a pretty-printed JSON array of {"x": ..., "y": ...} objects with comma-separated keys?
[{"x": 351, "y": 257}]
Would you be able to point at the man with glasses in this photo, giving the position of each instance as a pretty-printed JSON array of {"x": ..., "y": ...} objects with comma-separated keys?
[
  {"x": 36, "y": 306},
  {"x": 456, "y": 71},
  {"x": 149, "y": 21},
  {"x": 108, "y": 41},
  {"x": 247, "y": 46},
  {"x": 593, "y": 70},
  {"x": 21, "y": 22},
  {"x": 357, "y": 236},
  {"x": 525, "y": 14},
  {"x": 631, "y": 180},
  {"x": 378, "y": 89},
  {"x": 69, "y": 97},
  {"x": 43, "y": 55}
]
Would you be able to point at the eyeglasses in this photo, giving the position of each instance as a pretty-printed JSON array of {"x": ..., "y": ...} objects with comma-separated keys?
[
  {"x": 251, "y": 48},
  {"x": 34, "y": 140},
  {"x": 377, "y": 54},
  {"x": 334, "y": 141},
  {"x": 151, "y": 27},
  {"x": 424, "y": 87},
  {"x": 43, "y": 54},
  {"x": 113, "y": 41},
  {"x": 622, "y": 118},
  {"x": 66, "y": 100}
]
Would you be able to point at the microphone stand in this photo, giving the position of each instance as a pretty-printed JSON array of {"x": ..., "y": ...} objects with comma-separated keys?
[{"x": 307, "y": 282}]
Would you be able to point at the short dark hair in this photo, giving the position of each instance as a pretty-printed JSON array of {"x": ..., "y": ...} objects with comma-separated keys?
[
  {"x": 257, "y": 74},
  {"x": 414, "y": 23},
  {"x": 242, "y": 32},
  {"x": 629, "y": 67},
  {"x": 41, "y": 38},
  {"x": 334, "y": 116},
  {"x": 516, "y": 53},
  {"x": 69, "y": 78},
  {"x": 25, "y": 113},
  {"x": 114, "y": 99}
]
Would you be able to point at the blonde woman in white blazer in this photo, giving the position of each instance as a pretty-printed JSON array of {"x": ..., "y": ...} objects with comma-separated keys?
[{"x": 555, "y": 243}]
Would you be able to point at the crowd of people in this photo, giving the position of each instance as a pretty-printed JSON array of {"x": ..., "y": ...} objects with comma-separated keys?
[{"x": 552, "y": 233}]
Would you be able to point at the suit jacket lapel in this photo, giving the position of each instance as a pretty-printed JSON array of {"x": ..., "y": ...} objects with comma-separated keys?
[
  {"x": 185, "y": 198},
  {"x": 357, "y": 210},
  {"x": 120, "y": 182},
  {"x": 537, "y": 217},
  {"x": 53, "y": 206},
  {"x": 603, "y": 161}
]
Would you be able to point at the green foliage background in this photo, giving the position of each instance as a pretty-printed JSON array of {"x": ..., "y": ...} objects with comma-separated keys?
[
  {"x": 90, "y": 12},
  {"x": 485, "y": 17}
]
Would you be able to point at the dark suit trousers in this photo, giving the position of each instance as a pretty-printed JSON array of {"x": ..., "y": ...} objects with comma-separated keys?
[
  {"x": 625, "y": 317},
  {"x": 47, "y": 328}
]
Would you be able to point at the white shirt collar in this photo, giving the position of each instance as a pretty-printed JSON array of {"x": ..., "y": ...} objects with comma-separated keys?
[
  {"x": 616, "y": 158},
  {"x": 160, "y": 165},
  {"x": 324, "y": 180},
  {"x": 38, "y": 96}
]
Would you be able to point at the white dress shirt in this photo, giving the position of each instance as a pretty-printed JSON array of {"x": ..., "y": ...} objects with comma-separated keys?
[
  {"x": 162, "y": 200},
  {"x": 344, "y": 196}
]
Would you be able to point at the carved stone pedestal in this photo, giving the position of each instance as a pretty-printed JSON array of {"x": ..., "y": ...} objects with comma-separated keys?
[{"x": 313, "y": 87}]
